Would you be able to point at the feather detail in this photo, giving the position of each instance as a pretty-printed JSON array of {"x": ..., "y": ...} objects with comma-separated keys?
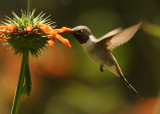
[{"x": 122, "y": 37}]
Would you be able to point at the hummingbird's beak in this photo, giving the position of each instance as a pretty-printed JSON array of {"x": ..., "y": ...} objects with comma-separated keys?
[{"x": 71, "y": 31}]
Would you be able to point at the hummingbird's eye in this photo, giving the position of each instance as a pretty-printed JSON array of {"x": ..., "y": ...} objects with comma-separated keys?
[{"x": 79, "y": 31}]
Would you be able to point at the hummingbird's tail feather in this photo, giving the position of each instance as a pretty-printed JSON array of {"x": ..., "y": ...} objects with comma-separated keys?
[{"x": 128, "y": 84}]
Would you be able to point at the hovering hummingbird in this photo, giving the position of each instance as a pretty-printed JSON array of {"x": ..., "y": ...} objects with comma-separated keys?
[{"x": 99, "y": 50}]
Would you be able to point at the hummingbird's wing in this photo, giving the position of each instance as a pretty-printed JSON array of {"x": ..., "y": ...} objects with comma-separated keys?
[
  {"x": 122, "y": 37},
  {"x": 112, "y": 33}
]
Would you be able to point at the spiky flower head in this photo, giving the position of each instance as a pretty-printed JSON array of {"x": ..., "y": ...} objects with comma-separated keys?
[{"x": 30, "y": 33}]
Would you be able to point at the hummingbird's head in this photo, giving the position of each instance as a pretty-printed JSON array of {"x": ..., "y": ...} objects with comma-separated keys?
[{"x": 81, "y": 33}]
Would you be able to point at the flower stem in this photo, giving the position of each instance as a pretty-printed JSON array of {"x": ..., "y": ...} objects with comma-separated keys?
[
  {"x": 18, "y": 94},
  {"x": 28, "y": 81},
  {"x": 29, "y": 8}
]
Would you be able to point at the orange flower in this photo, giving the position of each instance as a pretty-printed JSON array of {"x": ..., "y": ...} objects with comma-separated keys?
[
  {"x": 45, "y": 29},
  {"x": 63, "y": 29},
  {"x": 6, "y": 28},
  {"x": 51, "y": 44},
  {"x": 29, "y": 28},
  {"x": 48, "y": 31},
  {"x": 2, "y": 37}
]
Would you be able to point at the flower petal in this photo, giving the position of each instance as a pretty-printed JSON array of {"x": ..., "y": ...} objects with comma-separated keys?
[
  {"x": 2, "y": 38},
  {"x": 62, "y": 30},
  {"x": 51, "y": 44},
  {"x": 47, "y": 30},
  {"x": 52, "y": 33},
  {"x": 63, "y": 40},
  {"x": 44, "y": 28},
  {"x": 29, "y": 28},
  {"x": 5, "y": 28}
]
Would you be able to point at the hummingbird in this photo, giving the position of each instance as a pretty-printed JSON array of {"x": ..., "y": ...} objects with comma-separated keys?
[{"x": 99, "y": 50}]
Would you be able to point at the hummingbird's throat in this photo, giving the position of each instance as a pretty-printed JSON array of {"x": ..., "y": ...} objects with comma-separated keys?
[{"x": 82, "y": 39}]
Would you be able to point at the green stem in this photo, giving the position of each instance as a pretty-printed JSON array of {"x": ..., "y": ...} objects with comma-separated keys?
[
  {"x": 28, "y": 81},
  {"x": 29, "y": 8},
  {"x": 18, "y": 93}
]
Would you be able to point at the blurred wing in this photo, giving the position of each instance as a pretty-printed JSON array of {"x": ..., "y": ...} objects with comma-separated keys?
[
  {"x": 113, "y": 32},
  {"x": 122, "y": 37}
]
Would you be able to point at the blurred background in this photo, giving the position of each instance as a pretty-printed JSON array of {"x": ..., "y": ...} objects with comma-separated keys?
[{"x": 65, "y": 81}]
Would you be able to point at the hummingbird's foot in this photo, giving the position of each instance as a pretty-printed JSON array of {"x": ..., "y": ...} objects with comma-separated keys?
[{"x": 101, "y": 68}]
